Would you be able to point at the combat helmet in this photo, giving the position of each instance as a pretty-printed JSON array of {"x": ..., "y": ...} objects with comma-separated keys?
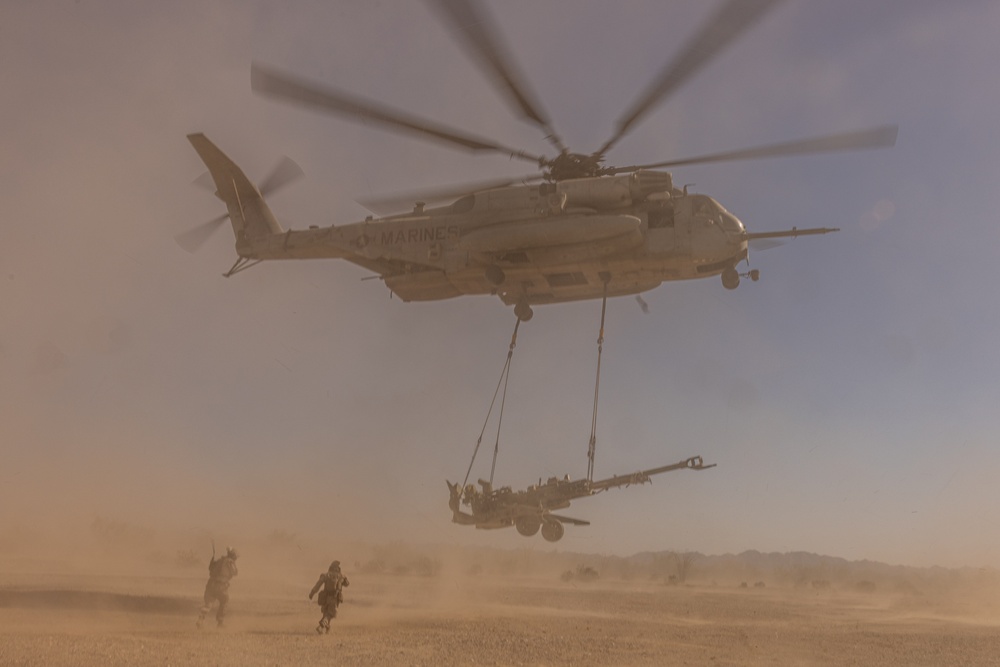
[{"x": 335, "y": 565}]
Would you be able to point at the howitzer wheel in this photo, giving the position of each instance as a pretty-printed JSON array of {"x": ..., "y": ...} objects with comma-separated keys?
[
  {"x": 552, "y": 530},
  {"x": 528, "y": 524}
]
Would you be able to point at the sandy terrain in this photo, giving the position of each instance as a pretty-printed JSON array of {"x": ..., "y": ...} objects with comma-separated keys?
[{"x": 390, "y": 619}]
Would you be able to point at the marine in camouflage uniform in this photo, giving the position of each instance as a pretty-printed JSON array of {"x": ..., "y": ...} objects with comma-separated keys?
[
  {"x": 220, "y": 572},
  {"x": 333, "y": 583}
]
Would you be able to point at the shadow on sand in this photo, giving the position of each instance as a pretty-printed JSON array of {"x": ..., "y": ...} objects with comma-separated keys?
[{"x": 68, "y": 599}]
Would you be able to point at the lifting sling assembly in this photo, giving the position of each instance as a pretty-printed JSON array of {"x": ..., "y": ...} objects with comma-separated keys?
[
  {"x": 530, "y": 510},
  {"x": 592, "y": 447},
  {"x": 504, "y": 376}
]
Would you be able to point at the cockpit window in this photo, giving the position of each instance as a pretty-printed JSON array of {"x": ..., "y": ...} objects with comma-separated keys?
[
  {"x": 702, "y": 205},
  {"x": 730, "y": 223}
]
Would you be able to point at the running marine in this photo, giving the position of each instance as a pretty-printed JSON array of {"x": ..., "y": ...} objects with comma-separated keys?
[
  {"x": 220, "y": 573},
  {"x": 332, "y": 582}
]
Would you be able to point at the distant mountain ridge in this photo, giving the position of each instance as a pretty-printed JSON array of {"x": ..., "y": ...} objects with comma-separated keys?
[{"x": 805, "y": 568}]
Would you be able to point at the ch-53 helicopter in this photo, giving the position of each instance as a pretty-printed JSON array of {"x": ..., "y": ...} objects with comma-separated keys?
[{"x": 578, "y": 230}]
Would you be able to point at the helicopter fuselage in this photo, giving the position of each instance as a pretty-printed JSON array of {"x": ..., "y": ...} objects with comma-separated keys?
[{"x": 534, "y": 244}]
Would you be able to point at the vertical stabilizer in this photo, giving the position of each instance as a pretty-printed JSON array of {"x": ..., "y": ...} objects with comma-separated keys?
[{"x": 248, "y": 211}]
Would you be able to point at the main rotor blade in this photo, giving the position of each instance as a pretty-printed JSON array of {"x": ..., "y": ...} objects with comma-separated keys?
[
  {"x": 284, "y": 172},
  {"x": 394, "y": 203},
  {"x": 476, "y": 32},
  {"x": 759, "y": 245},
  {"x": 731, "y": 21},
  {"x": 879, "y": 137},
  {"x": 270, "y": 83},
  {"x": 193, "y": 239}
]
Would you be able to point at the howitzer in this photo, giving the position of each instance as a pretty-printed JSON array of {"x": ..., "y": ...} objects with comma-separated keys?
[{"x": 531, "y": 509}]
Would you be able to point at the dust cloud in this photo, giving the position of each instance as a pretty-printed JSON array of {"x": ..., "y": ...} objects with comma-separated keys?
[
  {"x": 150, "y": 408},
  {"x": 126, "y": 593}
]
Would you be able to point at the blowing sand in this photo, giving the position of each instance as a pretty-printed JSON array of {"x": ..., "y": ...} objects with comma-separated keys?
[{"x": 488, "y": 619}]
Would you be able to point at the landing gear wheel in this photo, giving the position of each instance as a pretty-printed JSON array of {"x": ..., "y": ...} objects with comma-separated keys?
[
  {"x": 730, "y": 278},
  {"x": 528, "y": 524},
  {"x": 552, "y": 530},
  {"x": 754, "y": 275},
  {"x": 523, "y": 311}
]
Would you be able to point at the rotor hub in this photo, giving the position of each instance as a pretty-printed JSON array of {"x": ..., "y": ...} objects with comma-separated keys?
[{"x": 573, "y": 165}]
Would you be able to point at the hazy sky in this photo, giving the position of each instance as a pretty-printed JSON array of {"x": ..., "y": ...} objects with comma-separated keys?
[{"x": 849, "y": 398}]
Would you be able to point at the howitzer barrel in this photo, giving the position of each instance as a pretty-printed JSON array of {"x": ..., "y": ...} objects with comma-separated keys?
[{"x": 641, "y": 477}]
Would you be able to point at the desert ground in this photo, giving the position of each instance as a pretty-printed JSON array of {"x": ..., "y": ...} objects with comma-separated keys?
[{"x": 481, "y": 612}]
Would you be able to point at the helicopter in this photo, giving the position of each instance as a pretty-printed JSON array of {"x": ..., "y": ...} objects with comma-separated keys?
[{"x": 578, "y": 229}]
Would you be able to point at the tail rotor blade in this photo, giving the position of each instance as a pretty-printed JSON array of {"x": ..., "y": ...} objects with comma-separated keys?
[
  {"x": 193, "y": 239},
  {"x": 205, "y": 181},
  {"x": 285, "y": 172}
]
